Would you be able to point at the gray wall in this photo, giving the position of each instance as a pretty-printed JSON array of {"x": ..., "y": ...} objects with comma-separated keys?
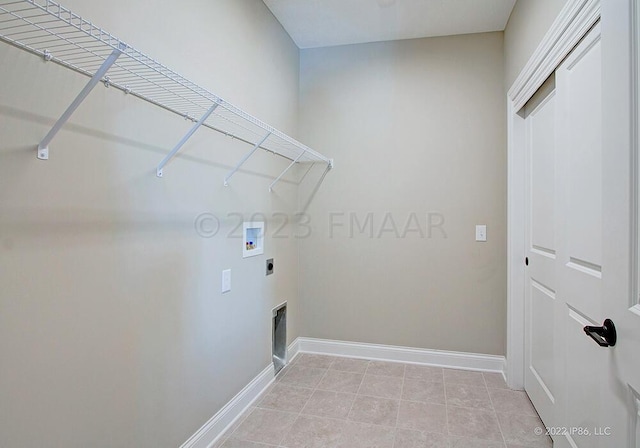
[
  {"x": 417, "y": 127},
  {"x": 113, "y": 331},
  {"x": 529, "y": 22}
]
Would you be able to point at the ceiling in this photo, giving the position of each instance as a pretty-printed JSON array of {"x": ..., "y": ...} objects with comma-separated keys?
[{"x": 325, "y": 23}]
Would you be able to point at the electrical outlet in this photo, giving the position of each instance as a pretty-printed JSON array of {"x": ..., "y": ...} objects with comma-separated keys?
[
  {"x": 226, "y": 280},
  {"x": 481, "y": 233},
  {"x": 270, "y": 266}
]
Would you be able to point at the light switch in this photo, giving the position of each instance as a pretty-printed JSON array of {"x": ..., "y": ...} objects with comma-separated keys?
[
  {"x": 226, "y": 280},
  {"x": 481, "y": 233}
]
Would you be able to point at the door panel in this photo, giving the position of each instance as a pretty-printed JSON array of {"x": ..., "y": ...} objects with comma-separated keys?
[
  {"x": 542, "y": 153},
  {"x": 542, "y": 360},
  {"x": 621, "y": 61},
  {"x": 580, "y": 141},
  {"x": 582, "y": 390},
  {"x": 579, "y": 266},
  {"x": 582, "y": 131},
  {"x": 635, "y": 419},
  {"x": 540, "y": 122},
  {"x": 582, "y": 287}
]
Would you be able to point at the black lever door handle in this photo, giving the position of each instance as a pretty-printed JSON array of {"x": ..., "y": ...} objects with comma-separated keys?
[{"x": 605, "y": 336}]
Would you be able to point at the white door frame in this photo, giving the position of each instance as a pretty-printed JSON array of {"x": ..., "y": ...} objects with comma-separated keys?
[{"x": 573, "y": 22}]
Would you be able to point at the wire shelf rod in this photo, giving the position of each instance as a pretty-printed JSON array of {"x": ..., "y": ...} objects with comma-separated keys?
[
  {"x": 184, "y": 139},
  {"x": 43, "y": 147},
  {"x": 244, "y": 159},
  {"x": 285, "y": 171},
  {"x": 46, "y": 28}
]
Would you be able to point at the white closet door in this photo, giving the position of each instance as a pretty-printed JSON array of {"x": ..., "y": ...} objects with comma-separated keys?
[
  {"x": 619, "y": 377},
  {"x": 541, "y": 248},
  {"x": 579, "y": 264},
  {"x": 600, "y": 403},
  {"x": 582, "y": 241}
]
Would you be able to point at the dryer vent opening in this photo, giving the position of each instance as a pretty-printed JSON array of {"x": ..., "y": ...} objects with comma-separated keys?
[{"x": 280, "y": 337}]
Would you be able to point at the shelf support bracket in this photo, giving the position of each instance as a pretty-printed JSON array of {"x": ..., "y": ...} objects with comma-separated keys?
[
  {"x": 43, "y": 147},
  {"x": 181, "y": 143},
  {"x": 244, "y": 159},
  {"x": 285, "y": 171}
]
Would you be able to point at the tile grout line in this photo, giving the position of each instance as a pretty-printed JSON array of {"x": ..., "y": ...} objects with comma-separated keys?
[
  {"x": 354, "y": 401},
  {"x": 250, "y": 411},
  {"x": 347, "y": 393},
  {"x": 291, "y": 365},
  {"x": 517, "y": 412},
  {"x": 237, "y": 424},
  {"x": 295, "y": 361},
  {"x": 355, "y": 397},
  {"x": 315, "y": 388},
  {"x": 446, "y": 408},
  {"x": 504, "y": 441},
  {"x": 357, "y": 391},
  {"x": 404, "y": 375}
]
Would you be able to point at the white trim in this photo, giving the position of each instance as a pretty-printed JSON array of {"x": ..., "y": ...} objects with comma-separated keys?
[
  {"x": 573, "y": 22},
  {"x": 635, "y": 124},
  {"x": 275, "y": 309},
  {"x": 441, "y": 358},
  {"x": 211, "y": 431},
  {"x": 504, "y": 370},
  {"x": 515, "y": 254},
  {"x": 293, "y": 350}
]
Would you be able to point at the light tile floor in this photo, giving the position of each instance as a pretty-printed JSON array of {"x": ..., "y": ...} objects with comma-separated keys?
[{"x": 328, "y": 402}]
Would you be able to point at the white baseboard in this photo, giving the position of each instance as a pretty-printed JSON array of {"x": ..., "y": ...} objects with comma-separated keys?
[
  {"x": 504, "y": 370},
  {"x": 211, "y": 431},
  {"x": 293, "y": 350},
  {"x": 456, "y": 360},
  {"x": 206, "y": 436}
]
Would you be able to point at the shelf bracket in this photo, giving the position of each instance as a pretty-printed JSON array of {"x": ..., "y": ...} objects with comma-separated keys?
[
  {"x": 43, "y": 147},
  {"x": 285, "y": 171},
  {"x": 181, "y": 143},
  {"x": 244, "y": 159}
]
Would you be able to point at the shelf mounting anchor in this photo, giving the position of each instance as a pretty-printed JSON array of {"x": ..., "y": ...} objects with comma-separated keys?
[
  {"x": 184, "y": 139},
  {"x": 43, "y": 147},
  {"x": 244, "y": 159},
  {"x": 285, "y": 171}
]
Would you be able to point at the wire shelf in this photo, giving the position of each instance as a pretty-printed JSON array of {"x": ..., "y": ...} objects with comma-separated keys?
[{"x": 55, "y": 33}]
